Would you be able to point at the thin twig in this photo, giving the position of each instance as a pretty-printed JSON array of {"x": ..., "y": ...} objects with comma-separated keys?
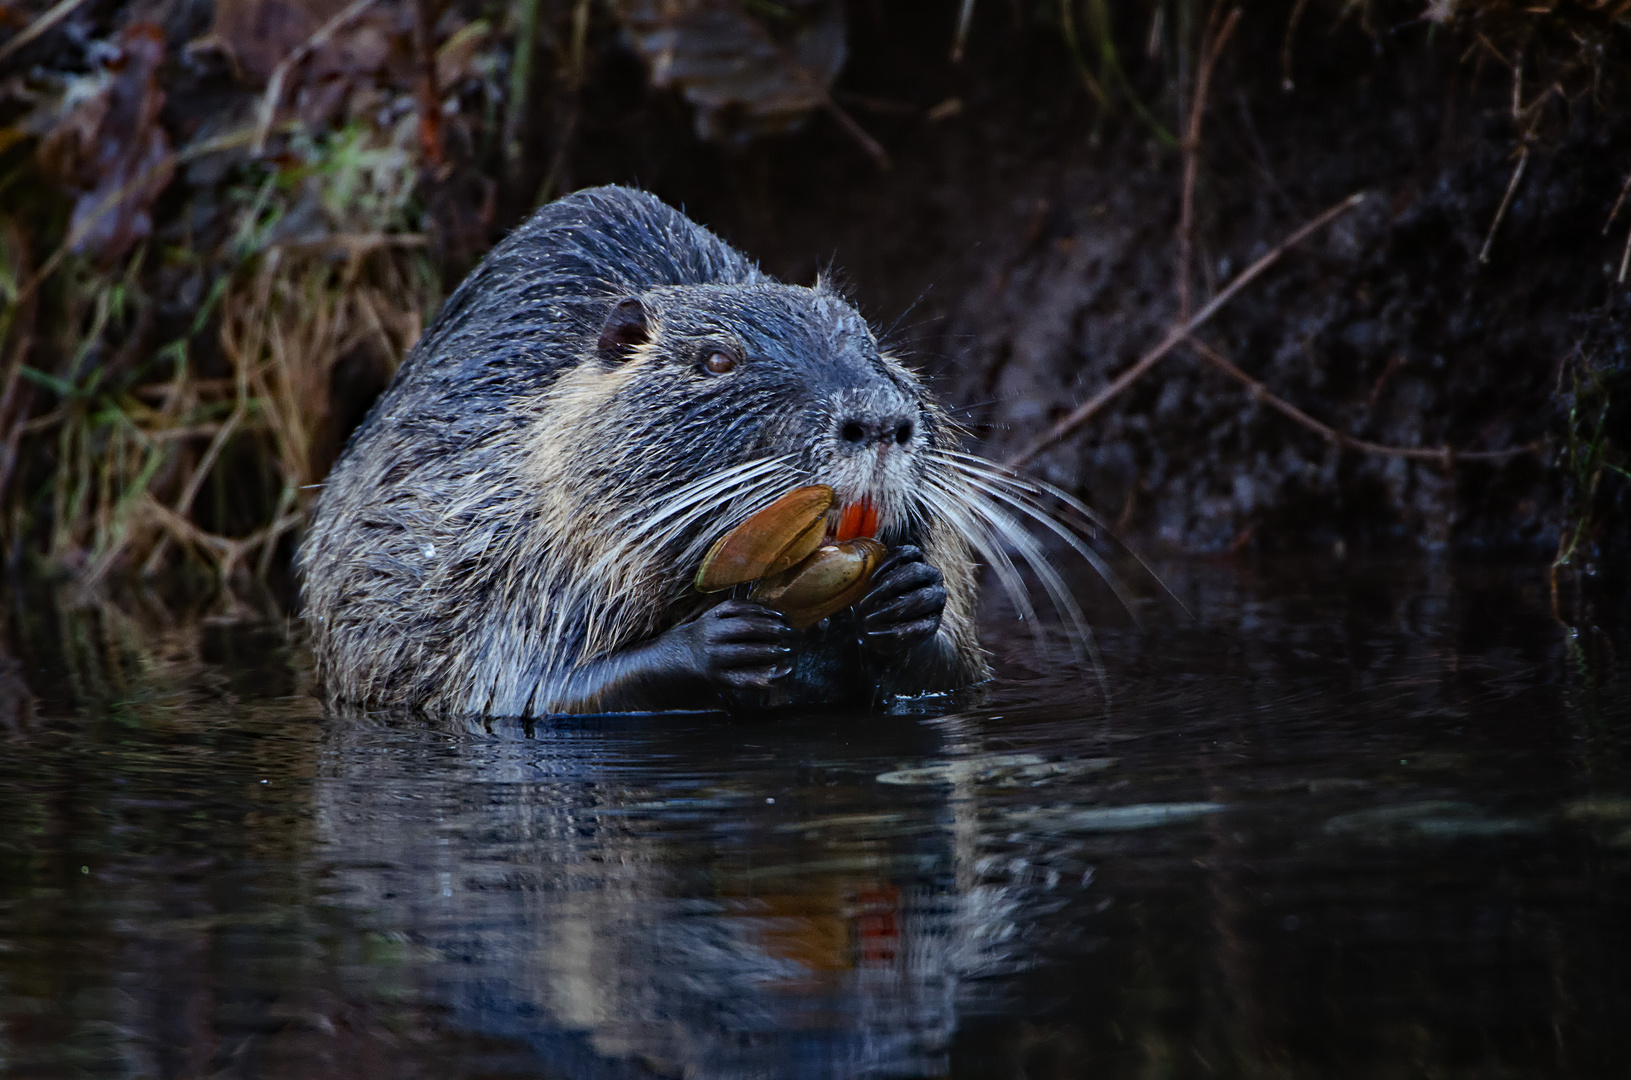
[
  {"x": 1614, "y": 213},
  {"x": 1192, "y": 154},
  {"x": 820, "y": 90},
  {"x": 1259, "y": 392},
  {"x": 577, "y": 49},
  {"x": 351, "y": 245},
  {"x": 526, "y": 31},
  {"x": 965, "y": 16},
  {"x": 17, "y": 396},
  {"x": 17, "y": 331},
  {"x": 872, "y": 146},
  {"x": 39, "y": 26},
  {"x": 1286, "y": 82},
  {"x": 1625, "y": 260},
  {"x": 196, "y": 481},
  {"x": 184, "y": 531},
  {"x": 1500, "y": 211},
  {"x": 1517, "y": 84},
  {"x": 274, "y": 86},
  {"x": 1067, "y": 26},
  {"x": 182, "y": 434},
  {"x": 425, "y": 88},
  {"x": 196, "y": 150},
  {"x": 1085, "y": 411},
  {"x": 89, "y": 221}
]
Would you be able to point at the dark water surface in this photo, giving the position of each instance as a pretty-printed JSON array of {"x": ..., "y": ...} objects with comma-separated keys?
[{"x": 1352, "y": 822}]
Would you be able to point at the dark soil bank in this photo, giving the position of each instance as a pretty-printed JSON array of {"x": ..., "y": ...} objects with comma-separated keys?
[
  {"x": 1025, "y": 249},
  {"x": 1012, "y": 216}
]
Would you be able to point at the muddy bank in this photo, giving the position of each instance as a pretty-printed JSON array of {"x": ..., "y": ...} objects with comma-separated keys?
[
  {"x": 1025, "y": 249},
  {"x": 1011, "y": 217}
]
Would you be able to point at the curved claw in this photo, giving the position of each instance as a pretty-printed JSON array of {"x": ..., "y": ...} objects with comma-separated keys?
[{"x": 905, "y": 604}]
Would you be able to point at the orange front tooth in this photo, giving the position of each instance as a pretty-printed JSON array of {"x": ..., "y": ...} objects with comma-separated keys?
[
  {"x": 860, "y": 518},
  {"x": 869, "y": 518},
  {"x": 848, "y": 520}
]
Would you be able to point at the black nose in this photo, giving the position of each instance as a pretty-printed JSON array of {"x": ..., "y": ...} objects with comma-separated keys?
[{"x": 859, "y": 431}]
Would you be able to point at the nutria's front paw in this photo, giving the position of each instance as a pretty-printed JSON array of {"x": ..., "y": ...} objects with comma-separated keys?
[
  {"x": 905, "y": 603},
  {"x": 741, "y": 645}
]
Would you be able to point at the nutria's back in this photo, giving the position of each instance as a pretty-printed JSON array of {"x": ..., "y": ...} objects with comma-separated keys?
[{"x": 610, "y": 390}]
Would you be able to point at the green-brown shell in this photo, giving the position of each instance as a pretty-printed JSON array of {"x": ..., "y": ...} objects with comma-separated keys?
[
  {"x": 769, "y": 542},
  {"x": 831, "y": 578},
  {"x": 781, "y": 548}
]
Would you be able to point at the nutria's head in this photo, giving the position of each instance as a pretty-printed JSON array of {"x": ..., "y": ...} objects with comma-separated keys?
[{"x": 699, "y": 378}]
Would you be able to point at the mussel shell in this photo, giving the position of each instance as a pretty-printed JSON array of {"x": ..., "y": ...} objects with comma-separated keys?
[
  {"x": 770, "y": 541},
  {"x": 832, "y": 578}
]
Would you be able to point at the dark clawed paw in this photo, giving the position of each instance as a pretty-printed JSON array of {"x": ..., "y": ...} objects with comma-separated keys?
[
  {"x": 904, "y": 606},
  {"x": 742, "y": 645}
]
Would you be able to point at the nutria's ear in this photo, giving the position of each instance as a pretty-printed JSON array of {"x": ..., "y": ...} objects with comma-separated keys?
[{"x": 625, "y": 328}]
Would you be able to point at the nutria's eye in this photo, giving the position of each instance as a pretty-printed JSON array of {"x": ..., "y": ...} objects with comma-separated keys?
[{"x": 719, "y": 363}]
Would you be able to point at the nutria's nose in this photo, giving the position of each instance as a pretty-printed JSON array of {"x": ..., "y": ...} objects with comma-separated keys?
[{"x": 858, "y": 431}]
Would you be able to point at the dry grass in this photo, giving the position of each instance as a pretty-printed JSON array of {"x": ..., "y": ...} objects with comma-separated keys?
[
  {"x": 283, "y": 330},
  {"x": 217, "y": 467},
  {"x": 125, "y": 454}
]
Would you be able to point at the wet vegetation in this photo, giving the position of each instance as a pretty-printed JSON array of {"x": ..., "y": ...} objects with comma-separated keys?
[{"x": 221, "y": 226}]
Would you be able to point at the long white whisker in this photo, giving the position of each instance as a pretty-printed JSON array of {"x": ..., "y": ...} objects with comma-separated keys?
[
  {"x": 734, "y": 503},
  {"x": 957, "y": 509},
  {"x": 995, "y": 470},
  {"x": 627, "y": 551},
  {"x": 1040, "y": 516},
  {"x": 702, "y": 488},
  {"x": 676, "y": 521},
  {"x": 1030, "y": 551},
  {"x": 629, "y": 530},
  {"x": 1034, "y": 486}
]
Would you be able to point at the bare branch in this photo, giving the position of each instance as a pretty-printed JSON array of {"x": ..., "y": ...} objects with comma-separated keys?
[
  {"x": 1500, "y": 212},
  {"x": 1085, "y": 411}
]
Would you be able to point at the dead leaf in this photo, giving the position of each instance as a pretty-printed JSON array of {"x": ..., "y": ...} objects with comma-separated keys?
[
  {"x": 258, "y": 34},
  {"x": 459, "y": 56},
  {"x": 109, "y": 148},
  {"x": 745, "y": 74}
]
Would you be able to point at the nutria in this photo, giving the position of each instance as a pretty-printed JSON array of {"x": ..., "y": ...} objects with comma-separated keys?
[{"x": 515, "y": 527}]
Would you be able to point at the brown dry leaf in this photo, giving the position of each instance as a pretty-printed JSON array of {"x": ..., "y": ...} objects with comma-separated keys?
[
  {"x": 744, "y": 73},
  {"x": 460, "y": 55},
  {"x": 258, "y": 34},
  {"x": 110, "y": 149}
]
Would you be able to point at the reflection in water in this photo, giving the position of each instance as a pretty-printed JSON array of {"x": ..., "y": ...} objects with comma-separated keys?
[
  {"x": 1351, "y": 824},
  {"x": 590, "y": 891}
]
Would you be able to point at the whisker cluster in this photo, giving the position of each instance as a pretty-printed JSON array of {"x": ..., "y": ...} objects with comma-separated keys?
[
  {"x": 642, "y": 541},
  {"x": 997, "y": 511}
]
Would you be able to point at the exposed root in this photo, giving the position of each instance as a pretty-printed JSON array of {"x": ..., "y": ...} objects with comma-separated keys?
[
  {"x": 1506, "y": 200},
  {"x": 1259, "y": 392}
]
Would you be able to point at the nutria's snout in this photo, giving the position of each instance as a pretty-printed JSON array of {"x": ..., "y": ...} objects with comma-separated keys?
[
  {"x": 873, "y": 446},
  {"x": 859, "y": 432}
]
